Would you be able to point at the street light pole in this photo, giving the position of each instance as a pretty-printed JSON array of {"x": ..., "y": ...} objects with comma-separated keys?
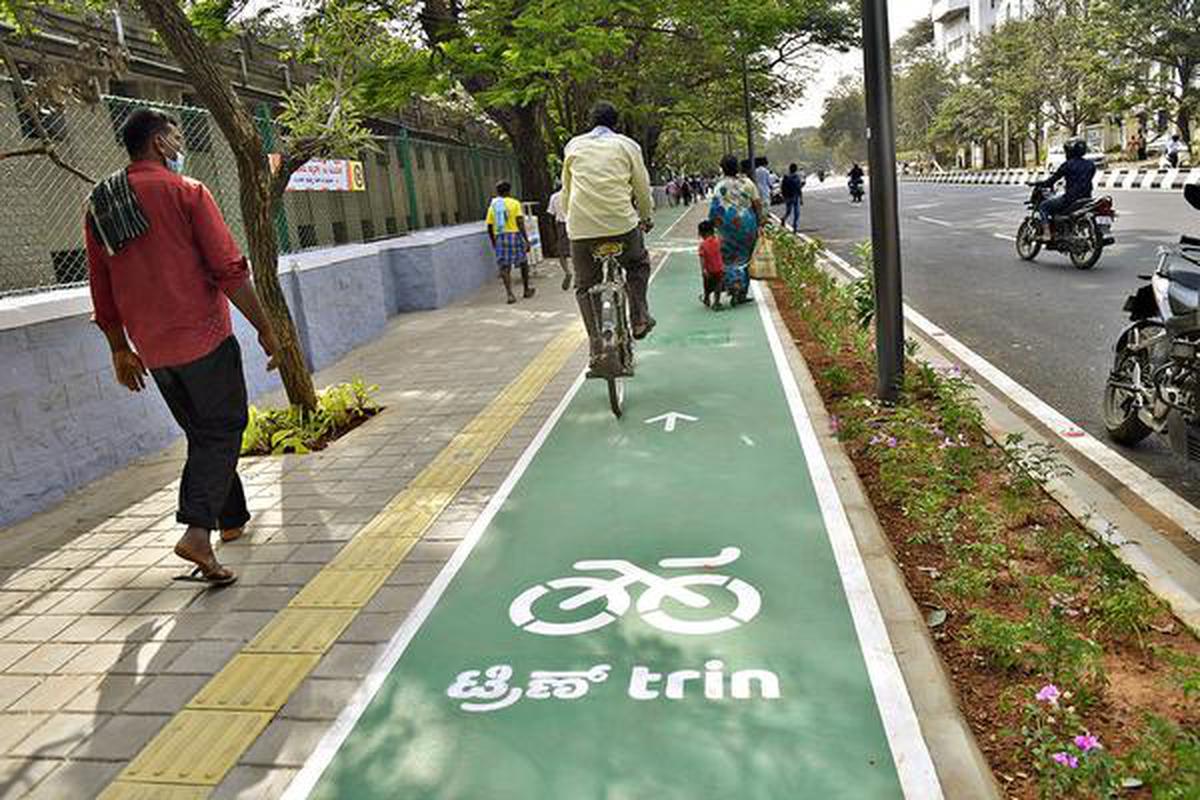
[
  {"x": 885, "y": 219},
  {"x": 746, "y": 104}
]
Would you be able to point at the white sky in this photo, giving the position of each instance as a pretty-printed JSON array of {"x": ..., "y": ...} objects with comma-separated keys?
[{"x": 901, "y": 15}]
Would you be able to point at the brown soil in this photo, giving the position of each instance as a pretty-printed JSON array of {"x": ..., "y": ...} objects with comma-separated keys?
[{"x": 989, "y": 698}]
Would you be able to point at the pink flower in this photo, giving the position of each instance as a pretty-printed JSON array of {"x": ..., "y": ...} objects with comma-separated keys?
[
  {"x": 1087, "y": 742},
  {"x": 1066, "y": 760},
  {"x": 1049, "y": 694},
  {"x": 835, "y": 424}
]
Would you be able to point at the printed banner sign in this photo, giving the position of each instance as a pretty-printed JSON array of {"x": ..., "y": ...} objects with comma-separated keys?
[{"x": 326, "y": 175}]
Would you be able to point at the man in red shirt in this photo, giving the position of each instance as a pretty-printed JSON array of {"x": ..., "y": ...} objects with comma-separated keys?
[{"x": 162, "y": 266}]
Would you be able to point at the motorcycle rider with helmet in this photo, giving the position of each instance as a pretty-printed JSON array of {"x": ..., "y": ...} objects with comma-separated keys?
[
  {"x": 855, "y": 180},
  {"x": 1077, "y": 172}
]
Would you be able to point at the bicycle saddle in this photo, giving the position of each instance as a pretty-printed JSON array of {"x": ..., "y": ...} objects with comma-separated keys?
[{"x": 608, "y": 250}]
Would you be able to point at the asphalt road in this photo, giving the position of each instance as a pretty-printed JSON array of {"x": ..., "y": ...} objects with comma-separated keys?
[{"x": 1048, "y": 325}]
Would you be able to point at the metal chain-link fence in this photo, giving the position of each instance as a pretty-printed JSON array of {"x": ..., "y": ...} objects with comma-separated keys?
[{"x": 411, "y": 183}]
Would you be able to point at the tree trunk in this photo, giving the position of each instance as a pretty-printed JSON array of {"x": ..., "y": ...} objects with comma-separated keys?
[
  {"x": 523, "y": 126},
  {"x": 254, "y": 179}
]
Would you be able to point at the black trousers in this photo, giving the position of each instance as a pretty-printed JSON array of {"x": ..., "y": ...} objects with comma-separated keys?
[
  {"x": 207, "y": 397},
  {"x": 636, "y": 262}
]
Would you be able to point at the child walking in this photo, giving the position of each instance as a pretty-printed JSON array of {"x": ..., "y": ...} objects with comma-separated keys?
[{"x": 712, "y": 267}]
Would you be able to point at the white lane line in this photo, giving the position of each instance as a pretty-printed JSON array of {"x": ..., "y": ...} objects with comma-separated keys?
[
  {"x": 1007, "y": 200},
  {"x": 1153, "y": 492},
  {"x": 306, "y": 779},
  {"x": 910, "y": 753},
  {"x": 923, "y": 206},
  {"x": 933, "y": 221},
  {"x": 1006, "y": 237}
]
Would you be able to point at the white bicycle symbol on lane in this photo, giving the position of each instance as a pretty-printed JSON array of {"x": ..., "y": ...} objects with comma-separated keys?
[{"x": 615, "y": 592}]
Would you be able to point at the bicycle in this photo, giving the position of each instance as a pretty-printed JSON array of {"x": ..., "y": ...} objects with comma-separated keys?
[
  {"x": 582, "y": 590},
  {"x": 610, "y": 309}
]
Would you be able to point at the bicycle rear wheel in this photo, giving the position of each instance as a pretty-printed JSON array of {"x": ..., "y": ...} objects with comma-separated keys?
[{"x": 616, "y": 396}]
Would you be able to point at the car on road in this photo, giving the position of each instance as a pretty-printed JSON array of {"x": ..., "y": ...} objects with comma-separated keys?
[{"x": 1056, "y": 156}]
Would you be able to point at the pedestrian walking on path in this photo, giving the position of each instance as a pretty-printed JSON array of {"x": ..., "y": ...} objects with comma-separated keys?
[
  {"x": 762, "y": 180},
  {"x": 736, "y": 211},
  {"x": 562, "y": 242},
  {"x": 712, "y": 268},
  {"x": 792, "y": 190},
  {"x": 163, "y": 267},
  {"x": 602, "y": 169},
  {"x": 506, "y": 229}
]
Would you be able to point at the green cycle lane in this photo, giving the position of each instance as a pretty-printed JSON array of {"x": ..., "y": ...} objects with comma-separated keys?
[{"x": 654, "y": 611}]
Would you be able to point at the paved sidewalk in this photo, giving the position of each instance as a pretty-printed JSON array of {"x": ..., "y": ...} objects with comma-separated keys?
[{"x": 100, "y": 648}]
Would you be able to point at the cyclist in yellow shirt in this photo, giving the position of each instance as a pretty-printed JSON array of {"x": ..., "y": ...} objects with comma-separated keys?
[{"x": 606, "y": 192}]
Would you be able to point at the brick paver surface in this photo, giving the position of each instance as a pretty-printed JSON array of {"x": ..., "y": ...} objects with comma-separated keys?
[{"x": 99, "y": 647}]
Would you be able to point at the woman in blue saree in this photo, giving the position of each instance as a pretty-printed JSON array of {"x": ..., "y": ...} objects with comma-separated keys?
[{"x": 736, "y": 212}]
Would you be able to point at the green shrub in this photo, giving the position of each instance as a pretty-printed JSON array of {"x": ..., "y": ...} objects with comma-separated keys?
[{"x": 277, "y": 431}]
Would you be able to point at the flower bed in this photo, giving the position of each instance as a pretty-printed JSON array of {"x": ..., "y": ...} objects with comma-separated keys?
[{"x": 1075, "y": 679}]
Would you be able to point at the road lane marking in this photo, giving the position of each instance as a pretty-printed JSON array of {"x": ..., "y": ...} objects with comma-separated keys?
[
  {"x": 940, "y": 222},
  {"x": 670, "y": 419},
  {"x": 1006, "y": 237},
  {"x": 1007, "y": 200}
]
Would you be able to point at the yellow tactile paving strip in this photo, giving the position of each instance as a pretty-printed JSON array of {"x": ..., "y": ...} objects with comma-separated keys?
[{"x": 196, "y": 748}]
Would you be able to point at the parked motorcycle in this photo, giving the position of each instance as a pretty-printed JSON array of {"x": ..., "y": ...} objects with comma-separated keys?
[
  {"x": 1154, "y": 386},
  {"x": 856, "y": 192}
]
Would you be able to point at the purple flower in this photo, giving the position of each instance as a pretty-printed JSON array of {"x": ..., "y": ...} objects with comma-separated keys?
[
  {"x": 891, "y": 441},
  {"x": 1066, "y": 760},
  {"x": 835, "y": 424},
  {"x": 1049, "y": 694},
  {"x": 1087, "y": 742}
]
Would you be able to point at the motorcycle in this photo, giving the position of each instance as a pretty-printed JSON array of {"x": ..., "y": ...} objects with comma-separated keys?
[
  {"x": 1082, "y": 231},
  {"x": 1154, "y": 386},
  {"x": 856, "y": 192}
]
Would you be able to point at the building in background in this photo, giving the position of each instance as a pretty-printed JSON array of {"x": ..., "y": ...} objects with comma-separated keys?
[{"x": 958, "y": 23}]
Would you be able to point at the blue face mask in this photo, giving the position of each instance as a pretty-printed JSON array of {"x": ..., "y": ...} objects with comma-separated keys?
[{"x": 176, "y": 164}]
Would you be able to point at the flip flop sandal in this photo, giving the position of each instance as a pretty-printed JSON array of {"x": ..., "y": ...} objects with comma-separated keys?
[
  {"x": 232, "y": 535},
  {"x": 211, "y": 578},
  {"x": 211, "y": 572}
]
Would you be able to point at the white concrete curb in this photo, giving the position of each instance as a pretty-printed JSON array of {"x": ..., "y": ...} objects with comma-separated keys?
[{"x": 1120, "y": 178}]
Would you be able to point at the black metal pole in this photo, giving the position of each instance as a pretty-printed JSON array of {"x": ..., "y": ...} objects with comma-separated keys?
[
  {"x": 885, "y": 219},
  {"x": 749, "y": 122}
]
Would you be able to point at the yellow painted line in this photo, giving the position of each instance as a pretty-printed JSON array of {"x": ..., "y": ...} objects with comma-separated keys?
[
  {"x": 338, "y": 588},
  {"x": 197, "y": 748},
  {"x": 255, "y": 682},
  {"x": 128, "y": 790},
  {"x": 302, "y": 630},
  {"x": 199, "y": 745}
]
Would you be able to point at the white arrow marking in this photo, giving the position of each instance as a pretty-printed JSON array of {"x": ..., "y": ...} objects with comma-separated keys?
[{"x": 670, "y": 418}]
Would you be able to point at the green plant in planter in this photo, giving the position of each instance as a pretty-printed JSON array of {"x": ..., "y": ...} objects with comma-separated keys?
[{"x": 293, "y": 430}]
